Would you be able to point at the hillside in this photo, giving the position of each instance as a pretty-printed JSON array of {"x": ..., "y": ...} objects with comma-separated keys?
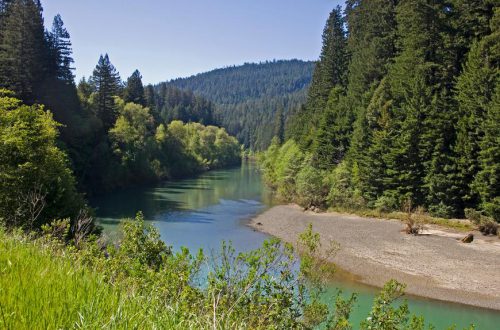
[{"x": 247, "y": 97}]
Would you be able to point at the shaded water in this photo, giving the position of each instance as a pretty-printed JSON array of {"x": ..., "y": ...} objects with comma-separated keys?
[{"x": 203, "y": 211}]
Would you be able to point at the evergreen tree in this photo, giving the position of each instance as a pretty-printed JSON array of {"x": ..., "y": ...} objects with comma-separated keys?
[
  {"x": 106, "y": 83},
  {"x": 60, "y": 51},
  {"x": 475, "y": 89},
  {"x": 370, "y": 44},
  {"x": 487, "y": 181},
  {"x": 370, "y": 141},
  {"x": 328, "y": 146},
  {"x": 422, "y": 131},
  {"x": 134, "y": 90},
  {"x": 149, "y": 95},
  {"x": 330, "y": 71},
  {"x": 470, "y": 21},
  {"x": 22, "y": 49},
  {"x": 372, "y": 27},
  {"x": 483, "y": 117},
  {"x": 279, "y": 124}
]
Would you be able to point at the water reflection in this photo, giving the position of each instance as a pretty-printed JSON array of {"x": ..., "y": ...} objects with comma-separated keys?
[{"x": 198, "y": 212}]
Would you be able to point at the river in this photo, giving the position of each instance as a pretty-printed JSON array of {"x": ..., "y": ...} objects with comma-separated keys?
[{"x": 215, "y": 206}]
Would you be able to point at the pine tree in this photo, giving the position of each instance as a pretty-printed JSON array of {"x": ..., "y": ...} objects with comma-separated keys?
[
  {"x": 22, "y": 49},
  {"x": 106, "y": 83},
  {"x": 279, "y": 124},
  {"x": 61, "y": 52},
  {"x": 370, "y": 142},
  {"x": 371, "y": 40},
  {"x": 470, "y": 21},
  {"x": 328, "y": 147},
  {"x": 420, "y": 160},
  {"x": 487, "y": 181},
  {"x": 371, "y": 46},
  {"x": 484, "y": 118},
  {"x": 475, "y": 90},
  {"x": 330, "y": 71},
  {"x": 134, "y": 90}
]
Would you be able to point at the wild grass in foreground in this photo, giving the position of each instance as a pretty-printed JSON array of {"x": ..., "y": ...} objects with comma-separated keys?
[{"x": 46, "y": 282}]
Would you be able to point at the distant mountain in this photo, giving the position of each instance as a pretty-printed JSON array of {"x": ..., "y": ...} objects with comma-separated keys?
[{"x": 248, "y": 97}]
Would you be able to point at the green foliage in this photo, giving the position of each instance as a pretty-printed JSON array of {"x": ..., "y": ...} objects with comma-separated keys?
[
  {"x": 411, "y": 121},
  {"x": 311, "y": 187},
  {"x": 142, "y": 283},
  {"x": 385, "y": 316},
  {"x": 341, "y": 191},
  {"x": 281, "y": 166},
  {"x": 329, "y": 72},
  {"x": 106, "y": 84},
  {"x": 36, "y": 184},
  {"x": 248, "y": 98},
  {"x": 134, "y": 90},
  {"x": 171, "y": 103},
  {"x": 22, "y": 49}
]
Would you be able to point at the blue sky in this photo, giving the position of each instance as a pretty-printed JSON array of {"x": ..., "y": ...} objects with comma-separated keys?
[{"x": 167, "y": 39}]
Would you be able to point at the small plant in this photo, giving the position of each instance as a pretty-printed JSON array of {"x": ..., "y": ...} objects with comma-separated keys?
[
  {"x": 473, "y": 215},
  {"x": 57, "y": 229},
  {"x": 486, "y": 225},
  {"x": 414, "y": 220}
]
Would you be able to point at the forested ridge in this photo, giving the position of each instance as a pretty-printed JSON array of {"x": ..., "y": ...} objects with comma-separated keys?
[
  {"x": 252, "y": 100},
  {"x": 402, "y": 112}
]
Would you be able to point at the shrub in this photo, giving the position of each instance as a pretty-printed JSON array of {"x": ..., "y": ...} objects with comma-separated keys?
[
  {"x": 36, "y": 183},
  {"x": 473, "y": 215},
  {"x": 386, "y": 203},
  {"x": 414, "y": 221},
  {"x": 486, "y": 225},
  {"x": 442, "y": 211},
  {"x": 288, "y": 165},
  {"x": 311, "y": 188},
  {"x": 341, "y": 192}
]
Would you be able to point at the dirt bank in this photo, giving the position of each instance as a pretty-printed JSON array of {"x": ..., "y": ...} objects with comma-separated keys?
[{"x": 434, "y": 265}]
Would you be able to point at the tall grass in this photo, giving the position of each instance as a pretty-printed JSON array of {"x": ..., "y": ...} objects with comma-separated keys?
[{"x": 41, "y": 291}]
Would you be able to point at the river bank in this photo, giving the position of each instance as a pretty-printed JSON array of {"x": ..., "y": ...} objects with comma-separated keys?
[{"x": 434, "y": 265}]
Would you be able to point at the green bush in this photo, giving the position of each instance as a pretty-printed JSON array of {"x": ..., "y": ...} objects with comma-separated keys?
[
  {"x": 341, "y": 192},
  {"x": 310, "y": 186},
  {"x": 142, "y": 283},
  {"x": 36, "y": 183}
]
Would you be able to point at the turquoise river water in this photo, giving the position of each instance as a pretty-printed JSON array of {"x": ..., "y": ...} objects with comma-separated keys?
[{"x": 202, "y": 211}]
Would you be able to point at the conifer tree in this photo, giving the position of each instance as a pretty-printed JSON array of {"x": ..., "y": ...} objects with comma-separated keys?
[
  {"x": 279, "y": 124},
  {"x": 22, "y": 49},
  {"x": 370, "y": 141},
  {"x": 327, "y": 147},
  {"x": 106, "y": 83},
  {"x": 60, "y": 51},
  {"x": 371, "y": 46},
  {"x": 134, "y": 90},
  {"x": 372, "y": 27},
  {"x": 482, "y": 116},
  {"x": 330, "y": 71},
  {"x": 487, "y": 181},
  {"x": 421, "y": 131},
  {"x": 474, "y": 92}
]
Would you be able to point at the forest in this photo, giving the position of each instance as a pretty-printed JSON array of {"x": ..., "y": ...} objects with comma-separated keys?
[
  {"x": 116, "y": 133},
  {"x": 402, "y": 112},
  {"x": 253, "y": 101}
]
